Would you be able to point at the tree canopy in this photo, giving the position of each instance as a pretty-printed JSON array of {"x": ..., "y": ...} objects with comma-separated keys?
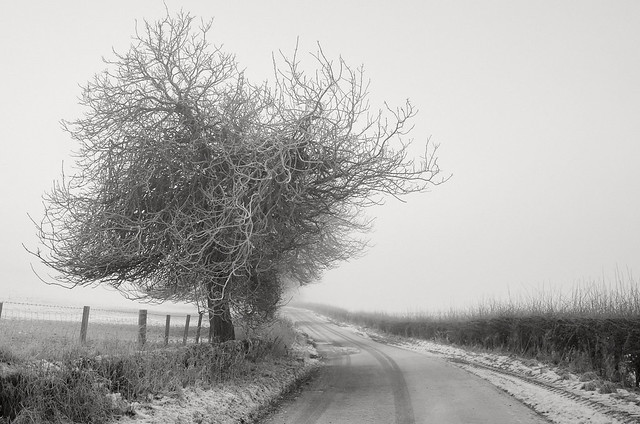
[{"x": 193, "y": 184}]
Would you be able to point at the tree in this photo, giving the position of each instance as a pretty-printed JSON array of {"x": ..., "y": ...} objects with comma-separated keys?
[{"x": 193, "y": 184}]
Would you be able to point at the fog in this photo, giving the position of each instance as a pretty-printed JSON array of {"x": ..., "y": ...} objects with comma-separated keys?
[{"x": 535, "y": 107}]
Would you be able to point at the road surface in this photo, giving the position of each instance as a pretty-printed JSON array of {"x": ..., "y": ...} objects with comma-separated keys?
[{"x": 369, "y": 382}]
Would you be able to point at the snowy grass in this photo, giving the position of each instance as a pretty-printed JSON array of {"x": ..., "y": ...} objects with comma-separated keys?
[
  {"x": 92, "y": 383},
  {"x": 555, "y": 407},
  {"x": 48, "y": 339}
]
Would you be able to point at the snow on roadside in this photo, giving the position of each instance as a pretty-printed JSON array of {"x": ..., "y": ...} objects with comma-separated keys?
[
  {"x": 542, "y": 400},
  {"x": 551, "y": 404},
  {"x": 556, "y": 408},
  {"x": 237, "y": 401}
]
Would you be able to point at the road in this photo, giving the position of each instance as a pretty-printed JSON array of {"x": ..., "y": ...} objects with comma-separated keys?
[{"x": 369, "y": 382}]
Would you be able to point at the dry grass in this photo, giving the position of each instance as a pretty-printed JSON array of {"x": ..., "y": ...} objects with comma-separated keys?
[
  {"x": 42, "y": 339},
  {"x": 53, "y": 378}
]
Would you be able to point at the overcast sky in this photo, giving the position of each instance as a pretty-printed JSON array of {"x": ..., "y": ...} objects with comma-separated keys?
[{"x": 536, "y": 106}]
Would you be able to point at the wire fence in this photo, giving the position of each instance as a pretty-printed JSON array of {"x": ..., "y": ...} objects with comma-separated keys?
[{"x": 32, "y": 325}]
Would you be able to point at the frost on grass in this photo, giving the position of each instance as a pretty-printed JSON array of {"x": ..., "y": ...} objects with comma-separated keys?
[{"x": 237, "y": 401}]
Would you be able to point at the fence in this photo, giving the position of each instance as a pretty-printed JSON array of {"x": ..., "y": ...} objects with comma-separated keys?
[{"x": 25, "y": 323}]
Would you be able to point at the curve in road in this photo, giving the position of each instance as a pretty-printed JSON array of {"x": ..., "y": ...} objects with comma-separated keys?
[{"x": 366, "y": 382}]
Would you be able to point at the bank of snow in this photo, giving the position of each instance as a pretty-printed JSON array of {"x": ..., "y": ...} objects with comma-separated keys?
[{"x": 242, "y": 400}]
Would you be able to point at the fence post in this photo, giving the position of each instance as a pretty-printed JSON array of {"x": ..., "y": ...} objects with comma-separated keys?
[
  {"x": 199, "y": 327},
  {"x": 84, "y": 325},
  {"x": 142, "y": 327},
  {"x": 167, "y": 327},
  {"x": 186, "y": 330},
  {"x": 1, "y": 309}
]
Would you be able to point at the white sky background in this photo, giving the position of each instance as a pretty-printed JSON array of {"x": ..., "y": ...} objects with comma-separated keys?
[{"x": 536, "y": 106}]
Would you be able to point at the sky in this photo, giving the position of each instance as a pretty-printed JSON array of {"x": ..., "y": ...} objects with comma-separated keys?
[{"x": 535, "y": 106}]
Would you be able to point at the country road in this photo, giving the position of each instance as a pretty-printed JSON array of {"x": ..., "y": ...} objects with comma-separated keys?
[{"x": 369, "y": 382}]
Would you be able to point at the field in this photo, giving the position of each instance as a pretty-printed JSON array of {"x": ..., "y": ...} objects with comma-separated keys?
[
  {"x": 43, "y": 331},
  {"x": 594, "y": 328},
  {"x": 49, "y": 339}
]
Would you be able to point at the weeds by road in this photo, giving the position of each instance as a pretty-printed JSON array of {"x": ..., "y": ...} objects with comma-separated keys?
[{"x": 201, "y": 383}]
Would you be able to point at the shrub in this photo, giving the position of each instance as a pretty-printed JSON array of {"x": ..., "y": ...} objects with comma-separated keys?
[{"x": 56, "y": 395}]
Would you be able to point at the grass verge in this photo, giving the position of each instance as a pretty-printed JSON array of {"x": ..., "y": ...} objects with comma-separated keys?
[{"x": 204, "y": 383}]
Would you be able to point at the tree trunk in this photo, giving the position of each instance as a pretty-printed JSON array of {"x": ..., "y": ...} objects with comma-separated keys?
[{"x": 220, "y": 323}]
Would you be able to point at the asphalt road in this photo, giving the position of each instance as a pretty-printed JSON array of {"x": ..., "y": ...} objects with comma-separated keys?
[{"x": 369, "y": 382}]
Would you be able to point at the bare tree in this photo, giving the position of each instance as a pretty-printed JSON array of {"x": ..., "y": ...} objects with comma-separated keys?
[{"x": 194, "y": 185}]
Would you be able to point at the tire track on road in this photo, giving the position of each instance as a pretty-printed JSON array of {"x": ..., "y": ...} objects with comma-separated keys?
[
  {"x": 401, "y": 397},
  {"x": 331, "y": 379}
]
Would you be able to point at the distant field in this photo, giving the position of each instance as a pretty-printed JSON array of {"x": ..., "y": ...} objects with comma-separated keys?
[{"x": 41, "y": 331}]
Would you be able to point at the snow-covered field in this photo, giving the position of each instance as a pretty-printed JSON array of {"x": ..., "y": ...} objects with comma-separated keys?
[{"x": 556, "y": 394}]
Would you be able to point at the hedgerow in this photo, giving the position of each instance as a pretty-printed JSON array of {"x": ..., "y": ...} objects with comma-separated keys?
[{"x": 595, "y": 328}]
